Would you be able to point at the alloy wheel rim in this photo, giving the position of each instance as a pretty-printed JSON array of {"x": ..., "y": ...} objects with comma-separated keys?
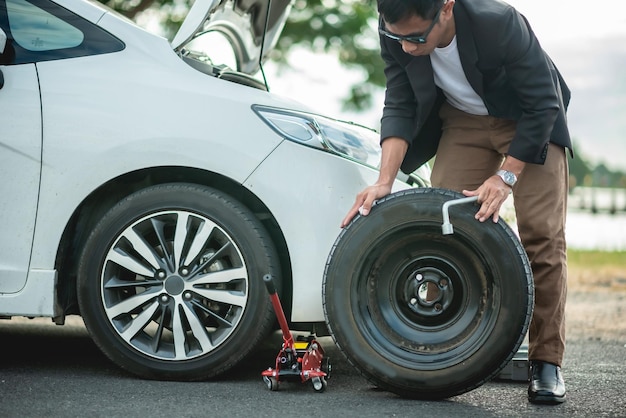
[{"x": 174, "y": 285}]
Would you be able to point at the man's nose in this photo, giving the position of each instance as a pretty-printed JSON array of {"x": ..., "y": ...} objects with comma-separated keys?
[{"x": 407, "y": 46}]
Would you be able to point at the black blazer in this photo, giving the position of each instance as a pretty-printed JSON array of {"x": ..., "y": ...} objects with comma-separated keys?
[{"x": 504, "y": 64}]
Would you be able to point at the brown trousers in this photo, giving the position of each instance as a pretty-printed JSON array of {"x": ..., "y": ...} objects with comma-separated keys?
[{"x": 471, "y": 149}]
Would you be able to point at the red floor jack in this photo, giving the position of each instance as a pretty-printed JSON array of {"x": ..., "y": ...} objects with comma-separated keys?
[{"x": 302, "y": 360}]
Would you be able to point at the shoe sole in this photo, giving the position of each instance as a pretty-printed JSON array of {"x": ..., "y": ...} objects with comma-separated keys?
[{"x": 547, "y": 399}]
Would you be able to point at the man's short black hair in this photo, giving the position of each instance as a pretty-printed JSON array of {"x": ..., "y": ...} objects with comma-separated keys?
[{"x": 396, "y": 10}]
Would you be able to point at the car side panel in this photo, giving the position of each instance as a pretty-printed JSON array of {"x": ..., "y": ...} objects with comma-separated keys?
[
  {"x": 309, "y": 206},
  {"x": 20, "y": 166},
  {"x": 108, "y": 115}
]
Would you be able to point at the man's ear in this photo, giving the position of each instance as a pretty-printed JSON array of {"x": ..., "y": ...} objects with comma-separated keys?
[{"x": 446, "y": 11}]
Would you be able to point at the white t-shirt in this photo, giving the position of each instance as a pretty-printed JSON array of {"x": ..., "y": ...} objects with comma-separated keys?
[{"x": 449, "y": 76}]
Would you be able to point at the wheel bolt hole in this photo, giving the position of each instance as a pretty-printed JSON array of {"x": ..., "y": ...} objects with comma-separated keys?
[{"x": 438, "y": 307}]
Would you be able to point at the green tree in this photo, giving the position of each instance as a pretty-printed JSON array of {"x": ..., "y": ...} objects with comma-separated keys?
[
  {"x": 347, "y": 29},
  {"x": 584, "y": 173},
  {"x": 170, "y": 13}
]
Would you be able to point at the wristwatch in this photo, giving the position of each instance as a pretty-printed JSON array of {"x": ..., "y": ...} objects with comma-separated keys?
[{"x": 507, "y": 177}]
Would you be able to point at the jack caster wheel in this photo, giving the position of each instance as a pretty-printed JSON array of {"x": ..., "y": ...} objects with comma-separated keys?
[
  {"x": 326, "y": 367},
  {"x": 319, "y": 384},
  {"x": 271, "y": 383}
]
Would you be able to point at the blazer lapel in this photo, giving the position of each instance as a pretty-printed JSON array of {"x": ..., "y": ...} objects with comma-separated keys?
[
  {"x": 467, "y": 49},
  {"x": 420, "y": 72}
]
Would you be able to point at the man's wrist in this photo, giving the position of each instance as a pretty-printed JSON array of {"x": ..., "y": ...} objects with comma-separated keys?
[{"x": 508, "y": 177}]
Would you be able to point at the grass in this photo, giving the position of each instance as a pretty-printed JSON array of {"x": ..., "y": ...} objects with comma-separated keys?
[
  {"x": 592, "y": 258},
  {"x": 597, "y": 269}
]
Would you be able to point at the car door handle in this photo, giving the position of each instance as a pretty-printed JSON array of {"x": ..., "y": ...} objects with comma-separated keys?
[{"x": 1, "y": 79}]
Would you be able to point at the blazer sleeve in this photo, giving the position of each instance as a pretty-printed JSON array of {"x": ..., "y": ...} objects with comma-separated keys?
[
  {"x": 531, "y": 76},
  {"x": 399, "y": 111},
  {"x": 411, "y": 104}
]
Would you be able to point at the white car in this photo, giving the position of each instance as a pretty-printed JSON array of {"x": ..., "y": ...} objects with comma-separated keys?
[{"x": 149, "y": 189}]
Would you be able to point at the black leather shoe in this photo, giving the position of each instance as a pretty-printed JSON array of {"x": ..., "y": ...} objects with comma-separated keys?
[{"x": 546, "y": 383}]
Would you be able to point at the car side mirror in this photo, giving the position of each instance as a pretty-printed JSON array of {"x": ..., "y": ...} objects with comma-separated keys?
[
  {"x": 3, "y": 41},
  {"x": 3, "y": 44}
]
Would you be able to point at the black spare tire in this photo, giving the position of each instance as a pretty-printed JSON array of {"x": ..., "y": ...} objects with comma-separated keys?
[{"x": 422, "y": 314}]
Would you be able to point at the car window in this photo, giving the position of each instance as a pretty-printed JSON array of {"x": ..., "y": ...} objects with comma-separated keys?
[
  {"x": 41, "y": 30},
  {"x": 37, "y": 30}
]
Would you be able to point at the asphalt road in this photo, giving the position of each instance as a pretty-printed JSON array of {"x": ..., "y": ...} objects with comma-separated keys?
[{"x": 52, "y": 371}]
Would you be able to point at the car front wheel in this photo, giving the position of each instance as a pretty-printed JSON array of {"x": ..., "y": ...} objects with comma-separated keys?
[{"x": 170, "y": 282}]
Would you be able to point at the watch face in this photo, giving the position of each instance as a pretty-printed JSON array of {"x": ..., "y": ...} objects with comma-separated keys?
[{"x": 508, "y": 177}]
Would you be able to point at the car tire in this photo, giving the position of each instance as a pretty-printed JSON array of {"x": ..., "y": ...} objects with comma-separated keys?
[
  {"x": 422, "y": 314},
  {"x": 170, "y": 282}
]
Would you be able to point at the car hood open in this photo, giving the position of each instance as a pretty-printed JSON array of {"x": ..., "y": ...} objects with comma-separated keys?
[{"x": 246, "y": 25}]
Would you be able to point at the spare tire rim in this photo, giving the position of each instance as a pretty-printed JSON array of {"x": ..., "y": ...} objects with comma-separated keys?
[{"x": 412, "y": 324}]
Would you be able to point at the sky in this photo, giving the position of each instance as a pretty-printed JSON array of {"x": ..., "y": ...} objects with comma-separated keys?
[{"x": 587, "y": 42}]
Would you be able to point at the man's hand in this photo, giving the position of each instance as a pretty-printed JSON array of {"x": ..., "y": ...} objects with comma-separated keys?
[
  {"x": 393, "y": 150},
  {"x": 493, "y": 192},
  {"x": 364, "y": 201},
  {"x": 491, "y": 195}
]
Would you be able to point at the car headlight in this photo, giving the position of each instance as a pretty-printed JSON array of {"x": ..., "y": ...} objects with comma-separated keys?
[{"x": 349, "y": 140}]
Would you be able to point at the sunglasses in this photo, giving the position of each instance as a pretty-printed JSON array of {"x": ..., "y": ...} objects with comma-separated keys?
[{"x": 416, "y": 39}]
